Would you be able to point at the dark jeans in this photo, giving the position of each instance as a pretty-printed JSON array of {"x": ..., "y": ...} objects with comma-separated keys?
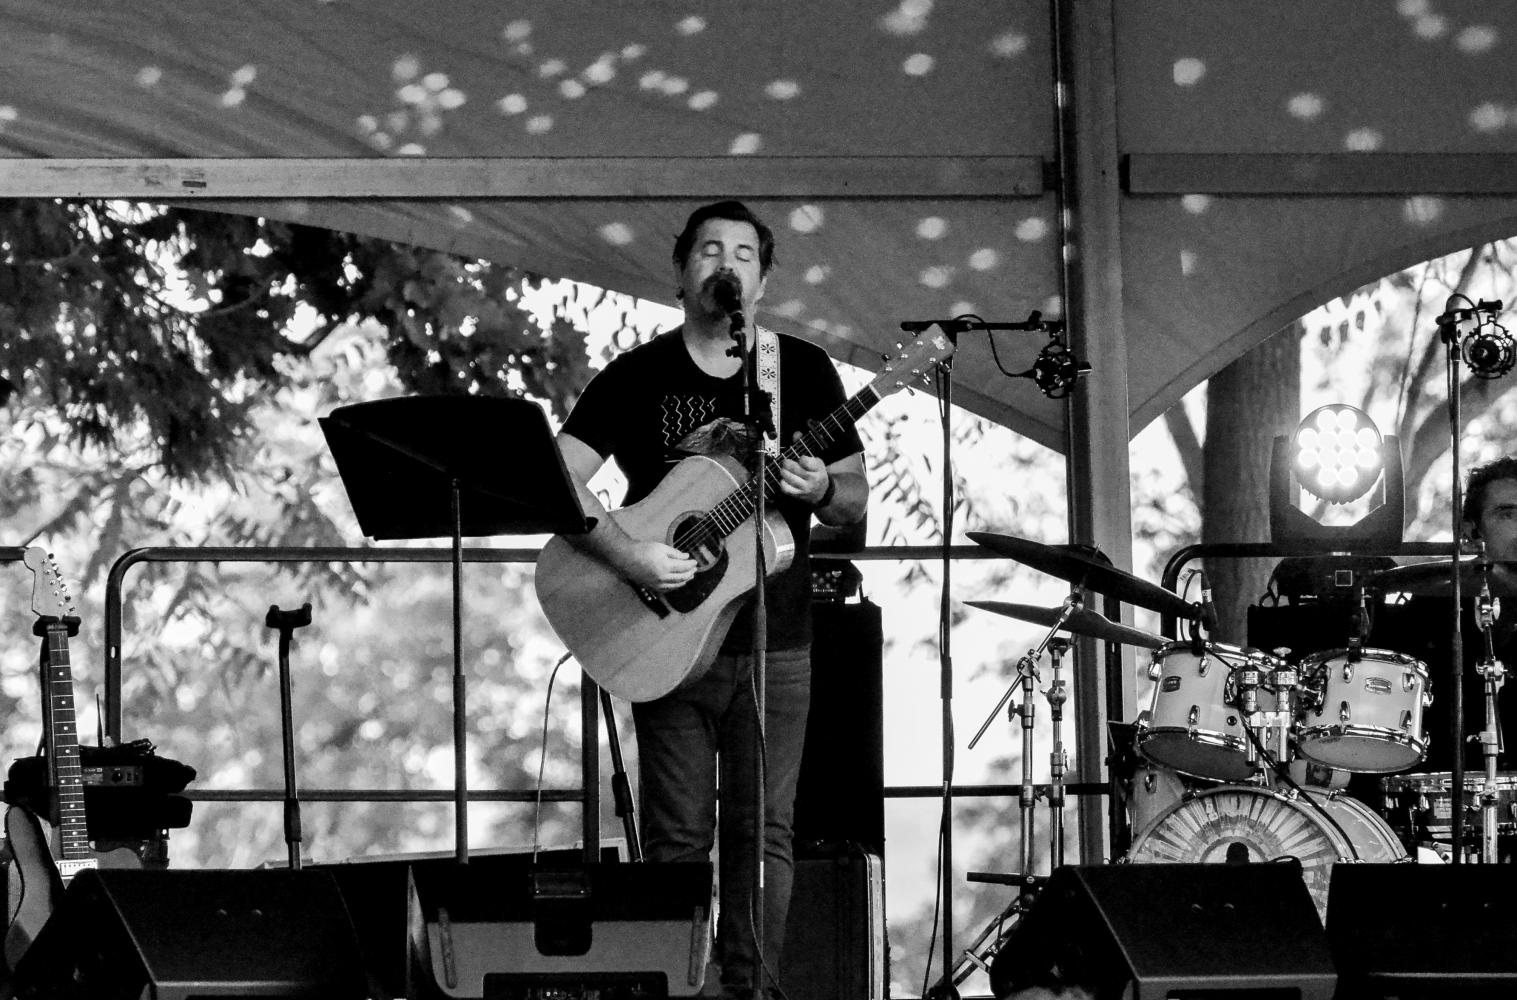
[{"x": 688, "y": 739}]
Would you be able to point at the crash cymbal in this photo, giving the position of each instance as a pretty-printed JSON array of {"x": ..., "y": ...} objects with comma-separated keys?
[
  {"x": 1082, "y": 621},
  {"x": 1436, "y": 579},
  {"x": 1081, "y": 570}
]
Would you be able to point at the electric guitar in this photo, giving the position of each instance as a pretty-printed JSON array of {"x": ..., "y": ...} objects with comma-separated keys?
[
  {"x": 36, "y": 879},
  {"x": 640, "y": 644}
]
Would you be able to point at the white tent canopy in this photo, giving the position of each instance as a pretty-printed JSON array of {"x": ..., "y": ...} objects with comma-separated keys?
[{"x": 1271, "y": 155}]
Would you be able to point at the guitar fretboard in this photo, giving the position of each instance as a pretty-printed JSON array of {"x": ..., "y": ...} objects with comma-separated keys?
[{"x": 62, "y": 739}]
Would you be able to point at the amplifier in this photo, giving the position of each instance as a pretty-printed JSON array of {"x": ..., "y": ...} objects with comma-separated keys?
[{"x": 113, "y": 775}]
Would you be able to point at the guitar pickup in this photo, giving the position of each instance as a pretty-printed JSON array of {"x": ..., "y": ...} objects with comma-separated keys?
[{"x": 69, "y": 867}]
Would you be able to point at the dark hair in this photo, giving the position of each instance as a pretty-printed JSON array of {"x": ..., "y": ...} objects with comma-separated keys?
[
  {"x": 734, "y": 211},
  {"x": 1481, "y": 478}
]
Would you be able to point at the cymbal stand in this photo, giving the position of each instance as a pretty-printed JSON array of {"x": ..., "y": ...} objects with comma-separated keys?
[
  {"x": 1491, "y": 670},
  {"x": 1058, "y": 759},
  {"x": 984, "y": 948}
]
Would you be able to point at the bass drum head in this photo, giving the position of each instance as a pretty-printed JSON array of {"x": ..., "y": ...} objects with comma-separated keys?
[{"x": 1219, "y": 822}]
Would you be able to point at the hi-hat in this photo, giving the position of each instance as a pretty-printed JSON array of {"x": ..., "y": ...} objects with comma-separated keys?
[
  {"x": 1081, "y": 570},
  {"x": 1082, "y": 621},
  {"x": 1436, "y": 579}
]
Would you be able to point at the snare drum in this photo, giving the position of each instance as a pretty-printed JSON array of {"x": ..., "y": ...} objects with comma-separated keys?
[
  {"x": 1420, "y": 807},
  {"x": 1192, "y": 726},
  {"x": 1364, "y": 716}
]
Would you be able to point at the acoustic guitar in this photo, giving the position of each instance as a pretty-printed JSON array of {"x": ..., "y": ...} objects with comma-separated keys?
[{"x": 640, "y": 644}]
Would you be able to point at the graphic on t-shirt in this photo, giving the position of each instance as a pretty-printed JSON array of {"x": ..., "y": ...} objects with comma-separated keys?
[
  {"x": 681, "y": 415},
  {"x": 722, "y": 436}
]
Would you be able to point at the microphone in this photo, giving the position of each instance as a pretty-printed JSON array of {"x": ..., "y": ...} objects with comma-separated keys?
[
  {"x": 1208, "y": 609},
  {"x": 727, "y": 292}
]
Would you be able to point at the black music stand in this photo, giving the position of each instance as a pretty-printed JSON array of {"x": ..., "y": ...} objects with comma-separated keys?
[{"x": 450, "y": 466}]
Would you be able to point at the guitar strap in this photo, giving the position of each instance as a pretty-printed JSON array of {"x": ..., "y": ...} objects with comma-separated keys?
[{"x": 767, "y": 343}]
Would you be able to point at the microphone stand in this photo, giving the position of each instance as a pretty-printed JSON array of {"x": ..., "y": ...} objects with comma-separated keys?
[
  {"x": 1448, "y": 331},
  {"x": 759, "y": 477}
]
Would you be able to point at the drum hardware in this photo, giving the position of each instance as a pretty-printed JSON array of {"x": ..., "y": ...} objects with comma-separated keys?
[{"x": 1492, "y": 673}]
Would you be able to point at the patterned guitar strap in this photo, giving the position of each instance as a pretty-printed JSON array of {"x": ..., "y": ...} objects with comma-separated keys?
[{"x": 767, "y": 343}]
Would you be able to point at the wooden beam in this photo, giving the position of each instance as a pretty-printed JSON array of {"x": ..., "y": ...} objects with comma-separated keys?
[
  {"x": 1397, "y": 174},
  {"x": 519, "y": 178}
]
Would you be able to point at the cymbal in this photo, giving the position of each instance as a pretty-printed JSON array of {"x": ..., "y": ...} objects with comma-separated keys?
[
  {"x": 1081, "y": 570},
  {"x": 1436, "y": 579},
  {"x": 1082, "y": 622}
]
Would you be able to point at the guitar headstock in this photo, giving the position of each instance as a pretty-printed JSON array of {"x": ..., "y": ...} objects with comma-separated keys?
[
  {"x": 912, "y": 364},
  {"x": 50, "y": 597}
]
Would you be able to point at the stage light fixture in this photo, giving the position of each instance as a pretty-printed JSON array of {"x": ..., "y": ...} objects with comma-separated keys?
[{"x": 1336, "y": 454}]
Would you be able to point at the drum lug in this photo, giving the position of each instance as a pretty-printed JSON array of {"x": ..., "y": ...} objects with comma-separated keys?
[
  {"x": 1406, "y": 720},
  {"x": 1193, "y": 716},
  {"x": 1155, "y": 669},
  {"x": 1408, "y": 680},
  {"x": 1348, "y": 672},
  {"x": 1204, "y": 665},
  {"x": 1343, "y": 711},
  {"x": 1145, "y": 719}
]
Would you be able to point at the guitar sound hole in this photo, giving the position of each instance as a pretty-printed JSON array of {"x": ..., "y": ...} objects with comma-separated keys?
[{"x": 704, "y": 545}]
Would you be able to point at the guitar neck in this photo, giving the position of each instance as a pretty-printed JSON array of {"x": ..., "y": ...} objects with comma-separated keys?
[
  {"x": 61, "y": 738},
  {"x": 726, "y": 516}
]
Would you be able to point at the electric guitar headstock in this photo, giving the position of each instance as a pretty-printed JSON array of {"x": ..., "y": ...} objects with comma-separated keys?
[
  {"x": 913, "y": 363},
  {"x": 50, "y": 597}
]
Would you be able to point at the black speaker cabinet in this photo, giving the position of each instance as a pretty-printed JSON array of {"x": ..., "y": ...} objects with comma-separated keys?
[
  {"x": 839, "y": 795},
  {"x": 835, "y": 946},
  {"x": 208, "y": 935},
  {"x": 1195, "y": 930},
  {"x": 1424, "y": 930}
]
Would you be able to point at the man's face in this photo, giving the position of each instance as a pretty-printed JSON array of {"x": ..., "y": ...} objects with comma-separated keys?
[
  {"x": 721, "y": 246},
  {"x": 1498, "y": 520}
]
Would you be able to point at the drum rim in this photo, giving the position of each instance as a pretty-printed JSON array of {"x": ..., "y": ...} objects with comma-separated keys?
[
  {"x": 1210, "y": 645},
  {"x": 1367, "y": 653},
  {"x": 1473, "y": 781},
  {"x": 1206, "y": 737},
  {"x": 1305, "y": 737}
]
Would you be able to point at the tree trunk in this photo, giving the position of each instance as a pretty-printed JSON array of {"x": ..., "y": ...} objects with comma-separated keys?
[{"x": 1247, "y": 404}]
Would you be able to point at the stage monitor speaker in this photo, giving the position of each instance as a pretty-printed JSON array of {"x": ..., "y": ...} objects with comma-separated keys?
[
  {"x": 201, "y": 934},
  {"x": 465, "y": 925},
  {"x": 1424, "y": 930},
  {"x": 1147, "y": 931},
  {"x": 839, "y": 796}
]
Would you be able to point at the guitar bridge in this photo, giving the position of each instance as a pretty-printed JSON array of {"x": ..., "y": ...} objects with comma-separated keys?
[{"x": 650, "y": 599}]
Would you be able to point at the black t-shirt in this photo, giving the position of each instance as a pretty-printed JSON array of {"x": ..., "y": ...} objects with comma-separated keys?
[{"x": 646, "y": 401}]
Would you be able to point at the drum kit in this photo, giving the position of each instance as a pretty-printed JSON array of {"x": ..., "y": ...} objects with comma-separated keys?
[{"x": 1245, "y": 755}]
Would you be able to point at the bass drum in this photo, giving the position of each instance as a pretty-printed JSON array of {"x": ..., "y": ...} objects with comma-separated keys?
[{"x": 1221, "y": 824}]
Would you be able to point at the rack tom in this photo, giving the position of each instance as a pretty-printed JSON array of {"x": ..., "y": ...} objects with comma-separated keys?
[
  {"x": 1363, "y": 715},
  {"x": 1194, "y": 725}
]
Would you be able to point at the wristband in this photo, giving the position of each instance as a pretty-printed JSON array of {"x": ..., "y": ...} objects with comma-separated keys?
[{"x": 832, "y": 488}]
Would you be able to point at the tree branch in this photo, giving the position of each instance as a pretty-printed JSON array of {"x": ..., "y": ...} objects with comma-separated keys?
[{"x": 1183, "y": 433}]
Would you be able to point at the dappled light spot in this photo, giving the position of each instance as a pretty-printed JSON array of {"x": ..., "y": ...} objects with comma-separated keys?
[
  {"x": 148, "y": 76},
  {"x": 692, "y": 25},
  {"x": 1032, "y": 229},
  {"x": 1195, "y": 204},
  {"x": 820, "y": 325},
  {"x": 984, "y": 259},
  {"x": 789, "y": 309},
  {"x": 1053, "y": 306},
  {"x": 618, "y": 234},
  {"x": 816, "y": 274},
  {"x": 1412, "y": 8},
  {"x": 244, "y": 75},
  {"x": 517, "y": 30},
  {"x": 782, "y": 90},
  {"x": 908, "y": 18},
  {"x": 702, "y": 99},
  {"x": 398, "y": 121},
  {"x": 1363, "y": 140},
  {"x": 412, "y": 93},
  {"x": 1008, "y": 45},
  {"x": 539, "y": 124},
  {"x": 233, "y": 98},
  {"x": 842, "y": 330},
  {"x": 1306, "y": 107},
  {"x": 367, "y": 124},
  {"x": 806, "y": 218},
  {"x": 412, "y": 149},
  {"x": 571, "y": 89},
  {"x": 381, "y": 140},
  {"x": 633, "y": 52},
  {"x": 936, "y": 276},
  {"x": 932, "y": 227},
  {"x": 919, "y": 64},
  {"x": 551, "y": 68},
  {"x": 460, "y": 215},
  {"x": 405, "y": 68},
  {"x": 1187, "y": 262},
  {"x": 8, "y": 114},
  {"x": 602, "y": 71},
  {"x": 673, "y": 86},
  {"x": 1430, "y": 27},
  {"x": 1189, "y": 71},
  {"x": 963, "y": 307},
  {"x": 745, "y": 144},
  {"x": 512, "y": 104},
  {"x": 1476, "y": 39},
  {"x": 1489, "y": 118},
  {"x": 451, "y": 98},
  {"x": 523, "y": 49},
  {"x": 1422, "y": 210},
  {"x": 652, "y": 80}
]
